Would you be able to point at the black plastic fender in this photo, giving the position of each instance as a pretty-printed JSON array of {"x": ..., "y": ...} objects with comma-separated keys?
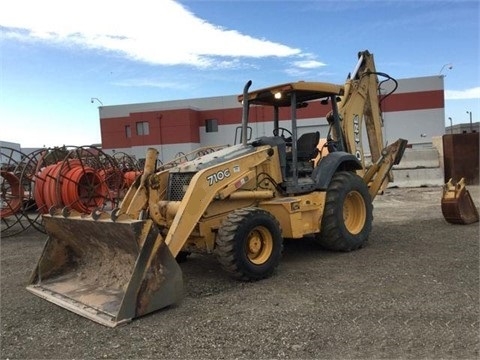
[{"x": 330, "y": 164}]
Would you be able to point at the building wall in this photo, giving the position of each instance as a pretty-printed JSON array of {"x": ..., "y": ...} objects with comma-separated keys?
[
  {"x": 417, "y": 126},
  {"x": 415, "y": 111},
  {"x": 164, "y": 127}
]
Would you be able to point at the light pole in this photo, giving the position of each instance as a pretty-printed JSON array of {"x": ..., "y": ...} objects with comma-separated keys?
[
  {"x": 449, "y": 66},
  {"x": 471, "y": 127},
  {"x": 97, "y": 99},
  {"x": 451, "y": 126}
]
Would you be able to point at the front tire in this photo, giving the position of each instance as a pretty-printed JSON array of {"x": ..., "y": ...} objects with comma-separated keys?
[
  {"x": 249, "y": 244},
  {"x": 348, "y": 214}
]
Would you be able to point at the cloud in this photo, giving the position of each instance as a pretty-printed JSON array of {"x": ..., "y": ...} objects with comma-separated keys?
[
  {"x": 473, "y": 93},
  {"x": 308, "y": 64},
  {"x": 161, "y": 32}
]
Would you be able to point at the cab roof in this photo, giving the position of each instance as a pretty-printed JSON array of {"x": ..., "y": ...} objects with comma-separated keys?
[{"x": 305, "y": 91}]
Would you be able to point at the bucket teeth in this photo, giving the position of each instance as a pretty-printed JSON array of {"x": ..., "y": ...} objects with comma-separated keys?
[
  {"x": 117, "y": 216},
  {"x": 98, "y": 214},
  {"x": 114, "y": 214},
  {"x": 55, "y": 211},
  {"x": 67, "y": 212}
]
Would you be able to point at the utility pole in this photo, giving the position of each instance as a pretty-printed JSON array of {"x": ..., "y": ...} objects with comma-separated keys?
[
  {"x": 97, "y": 99},
  {"x": 449, "y": 67},
  {"x": 471, "y": 126}
]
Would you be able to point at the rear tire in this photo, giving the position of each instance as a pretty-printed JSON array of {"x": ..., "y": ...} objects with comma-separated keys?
[
  {"x": 249, "y": 244},
  {"x": 348, "y": 214}
]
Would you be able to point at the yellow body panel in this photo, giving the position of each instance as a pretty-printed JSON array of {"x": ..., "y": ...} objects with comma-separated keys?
[{"x": 298, "y": 216}]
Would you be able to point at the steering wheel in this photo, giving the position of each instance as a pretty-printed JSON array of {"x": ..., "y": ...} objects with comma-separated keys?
[{"x": 281, "y": 132}]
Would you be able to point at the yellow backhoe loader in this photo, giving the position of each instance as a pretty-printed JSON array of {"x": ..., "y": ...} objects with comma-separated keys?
[{"x": 237, "y": 203}]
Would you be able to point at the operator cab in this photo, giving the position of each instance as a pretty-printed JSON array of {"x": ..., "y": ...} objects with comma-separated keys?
[{"x": 296, "y": 151}]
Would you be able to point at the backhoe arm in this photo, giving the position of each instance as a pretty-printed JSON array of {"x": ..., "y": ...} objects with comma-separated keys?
[
  {"x": 376, "y": 174},
  {"x": 360, "y": 103}
]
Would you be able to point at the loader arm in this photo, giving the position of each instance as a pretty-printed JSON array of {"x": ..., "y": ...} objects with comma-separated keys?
[
  {"x": 204, "y": 187},
  {"x": 136, "y": 198}
]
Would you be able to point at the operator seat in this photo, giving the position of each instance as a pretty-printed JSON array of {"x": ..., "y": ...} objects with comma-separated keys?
[
  {"x": 307, "y": 146},
  {"x": 306, "y": 151}
]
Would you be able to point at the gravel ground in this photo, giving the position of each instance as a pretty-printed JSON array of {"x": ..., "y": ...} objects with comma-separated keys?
[{"x": 412, "y": 293}]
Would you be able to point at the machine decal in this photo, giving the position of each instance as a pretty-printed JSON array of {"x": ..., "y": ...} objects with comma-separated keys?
[
  {"x": 241, "y": 182},
  {"x": 356, "y": 132},
  {"x": 218, "y": 176}
]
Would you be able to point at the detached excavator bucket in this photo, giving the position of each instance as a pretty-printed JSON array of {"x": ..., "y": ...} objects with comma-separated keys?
[
  {"x": 457, "y": 204},
  {"x": 108, "y": 271}
]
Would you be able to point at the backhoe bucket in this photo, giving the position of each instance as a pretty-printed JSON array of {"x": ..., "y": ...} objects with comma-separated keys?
[
  {"x": 108, "y": 271},
  {"x": 457, "y": 204}
]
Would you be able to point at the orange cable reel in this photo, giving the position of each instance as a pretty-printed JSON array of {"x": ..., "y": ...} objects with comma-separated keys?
[
  {"x": 12, "y": 198},
  {"x": 84, "y": 189}
]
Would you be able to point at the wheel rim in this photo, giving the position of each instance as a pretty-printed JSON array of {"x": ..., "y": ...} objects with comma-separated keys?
[
  {"x": 354, "y": 212},
  {"x": 259, "y": 245}
]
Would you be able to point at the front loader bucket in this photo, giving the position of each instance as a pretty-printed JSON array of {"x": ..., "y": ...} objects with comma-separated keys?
[
  {"x": 457, "y": 204},
  {"x": 108, "y": 271}
]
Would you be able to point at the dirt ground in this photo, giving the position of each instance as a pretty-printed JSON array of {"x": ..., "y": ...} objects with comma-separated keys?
[{"x": 411, "y": 293}]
